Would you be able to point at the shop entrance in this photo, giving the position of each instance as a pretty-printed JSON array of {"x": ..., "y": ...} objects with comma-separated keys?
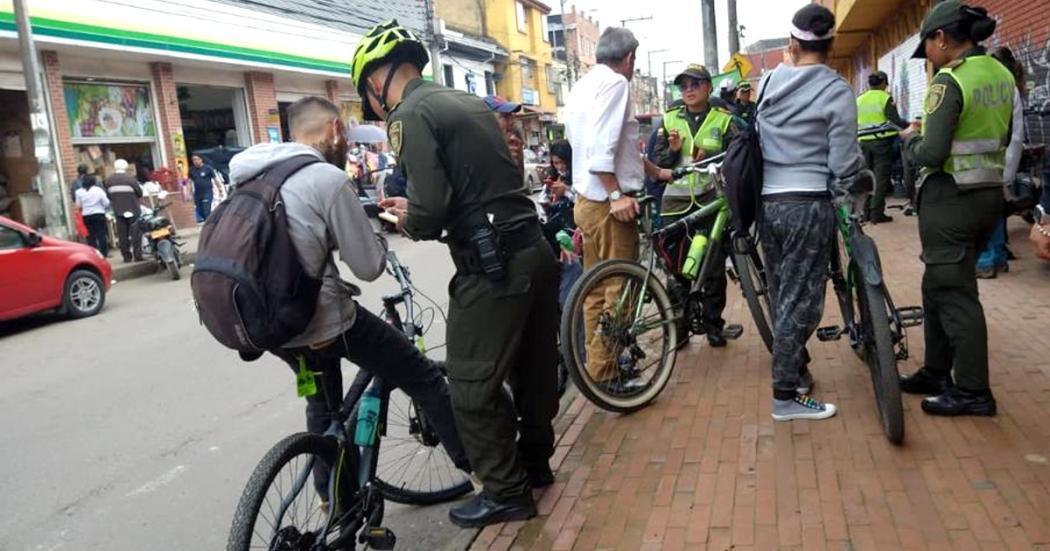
[
  {"x": 17, "y": 162},
  {"x": 214, "y": 122}
]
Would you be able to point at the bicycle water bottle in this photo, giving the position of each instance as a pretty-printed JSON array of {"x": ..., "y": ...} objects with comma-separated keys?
[
  {"x": 691, "y": 266},
  {"x": 367, "y": 418}
]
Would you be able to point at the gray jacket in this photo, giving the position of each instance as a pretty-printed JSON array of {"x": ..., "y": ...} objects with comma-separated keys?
[
  {"x": 324, "y": 215},
  {"x": 808, "y": 125}
]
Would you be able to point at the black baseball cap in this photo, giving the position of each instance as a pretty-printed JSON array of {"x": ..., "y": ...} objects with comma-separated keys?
[
  {"x": 942, "y": 15},
  {"x": 695, "y": 71}
]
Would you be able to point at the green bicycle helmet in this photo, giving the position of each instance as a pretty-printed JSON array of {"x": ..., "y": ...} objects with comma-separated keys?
[{"x": 385, "y": 43}]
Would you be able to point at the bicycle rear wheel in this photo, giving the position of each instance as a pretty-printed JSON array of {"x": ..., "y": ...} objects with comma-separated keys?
[
  {"x": 752, "y": 273},
  {"x": 414, "y": 467},
  {"x": 282, "y": 509},
  {"x": 880, "y": 355},
  {"x": 634, "y": 333}
]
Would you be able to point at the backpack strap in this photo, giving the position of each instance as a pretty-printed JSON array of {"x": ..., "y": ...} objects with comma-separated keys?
[{"x": 280, "y": 172}]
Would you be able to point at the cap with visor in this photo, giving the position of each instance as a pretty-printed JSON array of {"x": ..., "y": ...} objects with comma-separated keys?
[
  {"x": 694, "y": 71},
  {"x": 942, "y": 15}
]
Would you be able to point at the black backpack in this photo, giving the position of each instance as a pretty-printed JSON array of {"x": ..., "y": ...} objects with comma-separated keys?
[
  {"x": 742, "y": 169},
  {"x": 249, "y": 286}
]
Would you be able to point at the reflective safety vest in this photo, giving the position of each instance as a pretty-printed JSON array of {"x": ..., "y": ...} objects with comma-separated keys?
[
  {"x": 709, "y": 138},
  {"x": 978, "y": 154},
  {"x": 871, "y": 111}
]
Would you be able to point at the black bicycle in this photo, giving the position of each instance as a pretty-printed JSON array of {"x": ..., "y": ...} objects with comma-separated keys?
[{"x": 326, "y": 492}]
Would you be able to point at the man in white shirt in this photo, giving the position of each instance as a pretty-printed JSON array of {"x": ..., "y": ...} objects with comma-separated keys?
[{"x": 607, "y": 164}]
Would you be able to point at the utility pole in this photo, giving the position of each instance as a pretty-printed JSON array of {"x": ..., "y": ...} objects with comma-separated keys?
[
  {"x": 433, "y": 29},
  {"x": 565, "y": 43},
  {"x": 649, "y": 57},
  {"x": 667, "y": 93},
  {"x": 710, "y": 34},
  {"x": 623, "y": 22},
  {"x": 734, "y": 29},
  {"x": 46, "y": 180}
]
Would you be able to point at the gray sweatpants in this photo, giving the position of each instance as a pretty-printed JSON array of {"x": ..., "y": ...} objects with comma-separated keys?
[{"x": 796, "y": 237}]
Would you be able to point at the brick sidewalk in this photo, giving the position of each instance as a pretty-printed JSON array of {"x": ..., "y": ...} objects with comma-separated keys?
[{"x": 705, "y": 467}]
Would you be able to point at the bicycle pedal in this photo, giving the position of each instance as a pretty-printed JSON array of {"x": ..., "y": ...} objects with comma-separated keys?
[
  {"x": 911, "y": 316},
  {"x": 830, "y": 333},
  {"x": 378, "y": 538}
]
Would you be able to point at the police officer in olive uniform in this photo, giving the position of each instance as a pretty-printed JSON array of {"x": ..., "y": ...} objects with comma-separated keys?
[
  {"x": 875, "y": 108},
  {"x": 962, "y": 151},
  {"x": 503, "y": 312},
  {"x": 745, "y": 107},
  {"x": 692, "y": 132}
]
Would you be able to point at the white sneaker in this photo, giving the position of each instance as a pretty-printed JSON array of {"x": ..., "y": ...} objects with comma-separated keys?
[{"x": 801, "y": 407}]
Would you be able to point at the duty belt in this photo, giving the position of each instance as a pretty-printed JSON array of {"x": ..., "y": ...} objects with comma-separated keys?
[{"x": 521, "y": 236}]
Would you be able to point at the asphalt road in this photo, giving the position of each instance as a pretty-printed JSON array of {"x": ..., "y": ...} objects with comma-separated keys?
[{"x": 135, "y": 430}]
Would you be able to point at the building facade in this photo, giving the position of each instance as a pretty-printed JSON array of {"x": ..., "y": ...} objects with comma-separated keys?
[
  {"x": 470, "y": 57},
  {"x": 154, "y": 81},
  {"x": 520, "y": 28},
  {"x": 574, "y": 40},
  {"x": 877, "y": 35}
]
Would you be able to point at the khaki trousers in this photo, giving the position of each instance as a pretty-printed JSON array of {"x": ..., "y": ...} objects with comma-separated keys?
[{"x": 604, "y": 238}]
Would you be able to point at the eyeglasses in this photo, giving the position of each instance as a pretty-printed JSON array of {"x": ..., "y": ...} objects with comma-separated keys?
[{"x": 689, "y": 84}]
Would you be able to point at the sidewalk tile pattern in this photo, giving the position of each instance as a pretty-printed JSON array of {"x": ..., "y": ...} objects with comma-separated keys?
[{"x": 705, "y": 467}]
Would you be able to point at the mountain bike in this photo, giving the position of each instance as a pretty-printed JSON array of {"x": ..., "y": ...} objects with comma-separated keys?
[
  {"x": 282, "y": 509},
  {"x": 636, "y": 329}
]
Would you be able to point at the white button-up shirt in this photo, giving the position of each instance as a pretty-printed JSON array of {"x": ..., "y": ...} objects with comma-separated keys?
[{"x": 600, "y": 126}]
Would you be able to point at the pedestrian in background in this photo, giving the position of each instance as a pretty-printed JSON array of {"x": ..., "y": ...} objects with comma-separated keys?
[
  {"x": 505, "y": 111},
  {"x": 962, "y": 149},
  {"x": 807, "y": 122},
  {"x": 124, "y": 193},
  {"x": 994, "y": 258},
  {"x": 93, "y": 203},
  {"x": 600, "y": 126},
  {"x": 204, "y": 179},
  {"x": 82, "y": 171}
]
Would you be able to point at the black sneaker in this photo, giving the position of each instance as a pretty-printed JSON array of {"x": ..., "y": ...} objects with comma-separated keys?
[
  {"x": 483, "y": 510},
  {"x": 957, "y": 401},
  {"x": 926, "y": 382},
  {"x": 881, "y": 218},
  {"x": 716, "y": 339}
]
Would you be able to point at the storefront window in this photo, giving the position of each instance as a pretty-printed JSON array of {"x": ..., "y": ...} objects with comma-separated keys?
[{"x": 110, "y": 121}]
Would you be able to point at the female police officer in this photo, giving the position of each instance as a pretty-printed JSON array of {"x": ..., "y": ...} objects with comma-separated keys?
[{"x": 961, "y": 148}]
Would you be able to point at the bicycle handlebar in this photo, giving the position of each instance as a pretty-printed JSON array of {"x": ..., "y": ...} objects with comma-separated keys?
[
  {"x": 709, "y": 163},
  {"x": 878, "y": 129}
]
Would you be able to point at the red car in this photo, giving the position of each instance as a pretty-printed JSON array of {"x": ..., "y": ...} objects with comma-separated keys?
[{"x": 40, "y": 273}]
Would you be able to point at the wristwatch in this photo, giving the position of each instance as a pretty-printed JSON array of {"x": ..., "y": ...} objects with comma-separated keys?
[
  {"x": 1041, "y": 216},
  {"x": 615, "y": 195}
]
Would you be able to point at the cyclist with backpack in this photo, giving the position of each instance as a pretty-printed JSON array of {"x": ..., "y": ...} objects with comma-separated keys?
[{"x": 284, "y": 294}]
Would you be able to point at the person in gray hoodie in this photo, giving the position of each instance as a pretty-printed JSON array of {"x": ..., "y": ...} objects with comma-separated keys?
[
  {"x": 807, "y": 119},
  {"x": 325, "y": 216}
]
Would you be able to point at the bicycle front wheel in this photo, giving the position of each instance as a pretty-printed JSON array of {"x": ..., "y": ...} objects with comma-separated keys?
[
  {"x": 282, "y": 507},
  {"x": 752, "y": 273},
  {"x": 622, "y": 354},
  {"x": 880, "y": 355},
  {"x": 414, "y": 467}
]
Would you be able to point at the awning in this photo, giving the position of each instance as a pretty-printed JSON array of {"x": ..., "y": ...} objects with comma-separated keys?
[{"x": 857, "y": 22}]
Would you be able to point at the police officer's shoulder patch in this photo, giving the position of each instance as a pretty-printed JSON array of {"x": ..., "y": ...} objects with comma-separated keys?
[
  {"x": 935, "y": 97},
  {"x": 395, "y": 136}
]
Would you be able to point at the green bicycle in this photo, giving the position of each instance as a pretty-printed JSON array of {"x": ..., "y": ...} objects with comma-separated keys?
[{"x": 622, "y": 355}]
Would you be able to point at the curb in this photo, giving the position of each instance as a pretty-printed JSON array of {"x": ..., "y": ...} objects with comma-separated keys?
[
  {"x": 466, "y": 538},
  {"x": 136, "y": 270}
]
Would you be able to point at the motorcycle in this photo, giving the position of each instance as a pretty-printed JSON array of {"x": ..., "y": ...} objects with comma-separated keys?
[{"x": 159, "y": 239}]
